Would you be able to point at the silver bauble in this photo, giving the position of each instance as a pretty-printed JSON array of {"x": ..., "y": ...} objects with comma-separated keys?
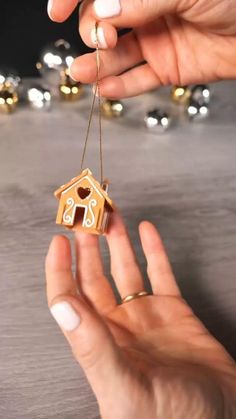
[
  {"x": 9, "y": 77},
  {"x": 158, "y": 120},
  {"x": 39, "y": 97},
  {"x": 54, "y": 60},
  {"x": 196, "y": 110},
  {"x": 201, "y": 94}
]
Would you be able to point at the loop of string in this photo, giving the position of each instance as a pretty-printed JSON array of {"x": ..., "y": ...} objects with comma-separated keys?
[{"x": 96, "y": 94}]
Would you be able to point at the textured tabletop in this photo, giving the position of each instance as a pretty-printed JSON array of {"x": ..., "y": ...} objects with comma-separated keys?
[{"x": 184, "y": 181}]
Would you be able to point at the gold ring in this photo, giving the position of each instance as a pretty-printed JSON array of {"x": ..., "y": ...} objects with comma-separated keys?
[{"x": 131, "y": 297}]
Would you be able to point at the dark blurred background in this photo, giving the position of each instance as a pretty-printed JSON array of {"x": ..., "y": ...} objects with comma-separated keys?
[{"x": 25, "y": 28}]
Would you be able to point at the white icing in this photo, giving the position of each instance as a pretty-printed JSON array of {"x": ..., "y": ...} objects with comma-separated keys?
[
  {"x": 68, "y": 219},
  {"x": 79, "y": 181},
  {"x": 89, "y": 222}
]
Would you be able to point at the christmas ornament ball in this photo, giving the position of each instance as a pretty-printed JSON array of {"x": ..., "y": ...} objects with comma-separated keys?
[
  {"x": 180, "y": 94},
  {"x": 112, "y": 108},
  {"x": 157, "y": 119},
  {"x": 39, "y": 97},
  {"x": 69, "y": 89},
  {"x": 196, "y": 110},
  {"x": 8, "y": 99},
  {"x": 9, "y": 78},
  {"x": 54, "y": 59},
  {"x": 201, "y": 94}
]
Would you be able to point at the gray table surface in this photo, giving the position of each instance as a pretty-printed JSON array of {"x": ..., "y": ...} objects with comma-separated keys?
[{"x": 184, "y": 181}]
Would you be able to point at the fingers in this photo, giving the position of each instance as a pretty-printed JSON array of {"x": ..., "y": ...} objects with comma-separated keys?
[
  {"x": 89, "y": 338},
  {"x": 126, "y": 54},
  {"x": 158, "y": 267},
  {"x": 60, "y": 10},
  {"x": 90, "y": 275},
  {"x": 127, "y": 14},
  {"x": 58, "y": 269},
  {"x": 92, "y": 345},
  {"x": 120, "y": 13},
  {"x": 134, "y": 82},
  {"x": 106, "y": 34},
  {"x": 124, "y": 268}
]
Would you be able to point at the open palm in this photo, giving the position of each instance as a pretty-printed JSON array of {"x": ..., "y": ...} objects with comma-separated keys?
[{"x": 150, "y": 357}]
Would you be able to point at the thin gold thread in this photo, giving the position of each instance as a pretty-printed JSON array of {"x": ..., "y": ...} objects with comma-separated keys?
[{"x": 96, "y": 93}]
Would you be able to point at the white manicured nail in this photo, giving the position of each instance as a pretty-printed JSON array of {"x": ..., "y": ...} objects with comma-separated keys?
[
  {"x": 71, "y": 74},
  {"x": 98, "y": 36},
  {"x": 95, "y": 90},
  {"x": 65, "y": 316},
  {"x": 50, "y": 4},
  {"x": 107, "y": 8}
]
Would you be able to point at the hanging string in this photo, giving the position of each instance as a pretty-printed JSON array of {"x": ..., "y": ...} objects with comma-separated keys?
[{"x": 96, "y": 94}]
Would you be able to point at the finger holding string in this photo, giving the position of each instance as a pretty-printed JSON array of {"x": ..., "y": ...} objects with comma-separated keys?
[
  {"x": 124, "y": 56},
  {"x": 127, "y": 54},
  {"x": 133, "y": 82},
  {"x": 60, "y": 10},
  {"x": 106, "y": 33},
  {"x": 122, "y": 14},
  {"x": 131, "y": 13}
]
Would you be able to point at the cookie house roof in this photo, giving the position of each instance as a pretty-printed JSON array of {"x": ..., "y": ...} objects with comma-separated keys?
[{"x": 84, "y": 173}]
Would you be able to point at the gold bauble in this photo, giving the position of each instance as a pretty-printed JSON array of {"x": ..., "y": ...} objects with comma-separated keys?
[
  {"x": 112, "y": 108},
  {"x": 8, "y": 98},
  {"x": 69, "y": 89},
  {"x": 181, "y": 94}
]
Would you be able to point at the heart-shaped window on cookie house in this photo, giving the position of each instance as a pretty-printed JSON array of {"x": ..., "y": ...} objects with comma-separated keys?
[{"x": 84, "y": 192}]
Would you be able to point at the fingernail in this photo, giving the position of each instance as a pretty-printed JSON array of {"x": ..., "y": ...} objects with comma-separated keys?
[
  {"x": 95, "y": 90},
  {"x": 65, "y": 316},
  {"x": 107, "y": 8},
  {"x": 50, "y": 4},
  {"x": 98, "y": 36},
  {"x": 70, "y": 73}
]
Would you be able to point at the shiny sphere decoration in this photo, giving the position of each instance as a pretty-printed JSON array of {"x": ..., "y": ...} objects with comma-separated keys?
[
  {"x": 180, "y": 94},
  {"x": 8, "y": 99},
  {"x": 196, "y": 110},
  {"x": 69, "y": 89},
  {"x": 55, "y": 59},
  {"x": 201, "y": 94},
  {"x": 157, "y": 119},
  {"x": 39, "y": 97},
  {"x": 112, "y": 108},
  {"x": 9, "y": 77}
]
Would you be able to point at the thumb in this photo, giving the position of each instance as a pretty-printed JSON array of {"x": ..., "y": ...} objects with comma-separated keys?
[{"x": 91, "y": 342}]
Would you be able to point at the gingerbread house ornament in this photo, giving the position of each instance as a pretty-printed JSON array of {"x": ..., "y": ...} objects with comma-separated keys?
[{"x": 84, "y": 204}]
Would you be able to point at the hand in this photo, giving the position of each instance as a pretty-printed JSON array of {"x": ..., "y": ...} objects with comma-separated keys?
[
  {"x": 148, "y": 358},
  {"x": 175, "y": 42}
]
